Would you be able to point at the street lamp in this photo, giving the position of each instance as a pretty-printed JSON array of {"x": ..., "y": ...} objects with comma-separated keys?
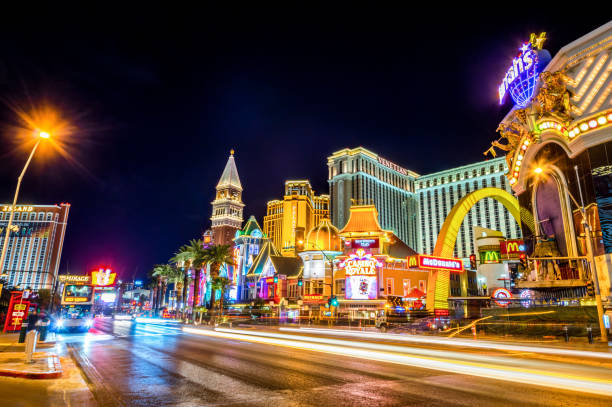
[
  {"x": 41, "y": 135},
  {"x": 590, "y": 253}
]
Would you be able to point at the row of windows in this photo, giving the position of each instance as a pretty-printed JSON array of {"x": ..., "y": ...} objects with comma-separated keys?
[
  {"x": 384, "y": 174},
  {"x": 461, "y": 176},
  {"x": 28, "y": 216}
]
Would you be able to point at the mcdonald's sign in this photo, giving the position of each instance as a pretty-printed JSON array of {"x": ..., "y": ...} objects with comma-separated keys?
[
  {"x": 489, "y": 256},
  {"x": 512, "y": 246},
  {"x": 426, "y": 262}
]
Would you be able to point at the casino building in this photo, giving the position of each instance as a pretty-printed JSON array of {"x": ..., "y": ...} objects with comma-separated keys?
[
  {"x": 35, "y": 244},
  {"x": 247, "y": 244},
  {"x": 558, "y": 143},
  {"x": 359, "y": 176},
  {"x": 287, "y": 220},
  {"x": 439, "y": 192}
]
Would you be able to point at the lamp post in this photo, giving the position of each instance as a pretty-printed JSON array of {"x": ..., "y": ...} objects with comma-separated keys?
[
  {"x": 590, "y": 254},
  {"x": 41, "y": 135}
]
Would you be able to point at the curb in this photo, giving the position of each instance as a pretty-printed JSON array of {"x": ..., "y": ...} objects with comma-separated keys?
[{"x": 53, "y": 361}]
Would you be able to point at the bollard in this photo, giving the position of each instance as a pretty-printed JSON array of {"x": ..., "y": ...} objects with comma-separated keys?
[
  {"x": 566, "y": 333},
  {"x": 590, "y": 334},
  {"x": 22, "y": 332},
  {"x": 30, "y": 345}
]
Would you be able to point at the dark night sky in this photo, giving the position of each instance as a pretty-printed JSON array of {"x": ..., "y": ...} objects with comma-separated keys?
[{"x": 162, "y": 99}]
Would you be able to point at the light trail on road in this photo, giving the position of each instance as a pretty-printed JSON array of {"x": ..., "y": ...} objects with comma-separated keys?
[
  {"x": 455, "y": 342},
  {"x": 506, "y": 373}
]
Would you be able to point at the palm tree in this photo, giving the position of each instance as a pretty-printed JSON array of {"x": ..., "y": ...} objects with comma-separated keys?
[
  {"x": 220, "y": 283},
  {"x": 165, "y": 273},
  {"x": 182, "y": 262},
  {"x": 218, "y": 256},
  {"x": 197, "y": 255}
]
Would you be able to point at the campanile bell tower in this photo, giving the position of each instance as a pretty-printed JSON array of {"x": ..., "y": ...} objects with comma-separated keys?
[{"x": 227, "y": 207}]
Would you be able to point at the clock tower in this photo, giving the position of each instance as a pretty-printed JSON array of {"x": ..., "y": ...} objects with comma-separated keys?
[{"x": 227, "y": 207}]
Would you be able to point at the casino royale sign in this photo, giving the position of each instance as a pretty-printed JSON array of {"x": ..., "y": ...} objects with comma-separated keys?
[
  {"x": 435, "y": 263},
  {"x": 360, "y": 263}
]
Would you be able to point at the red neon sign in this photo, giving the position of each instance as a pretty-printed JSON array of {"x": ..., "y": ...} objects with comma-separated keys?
[
  {"x": 17, "y": 312},
  {"x": 426, "y": 262}
]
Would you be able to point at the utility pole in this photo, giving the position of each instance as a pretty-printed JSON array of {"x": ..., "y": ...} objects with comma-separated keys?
[{"x": 591, "y": 257}]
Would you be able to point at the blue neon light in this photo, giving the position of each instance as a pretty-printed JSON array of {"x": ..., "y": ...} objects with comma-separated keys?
[{"x": 521, "y": 78}]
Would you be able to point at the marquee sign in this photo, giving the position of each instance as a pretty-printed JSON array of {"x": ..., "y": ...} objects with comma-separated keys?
[
  {"x": 521, "y": 78},
  {"x": 17, "y": 312},
  {"x": 427, "y": 262},
  {"x": 103, "y": 277},
  {"x": 74, "y": 279},
  {"x": 363, "y": 243},
  {"x": 360, "y": 263}
]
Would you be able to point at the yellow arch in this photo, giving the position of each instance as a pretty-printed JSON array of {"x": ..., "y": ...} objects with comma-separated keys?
[
  {"x": 438, "y": 281},
  {"x": 445, "y": 245}
]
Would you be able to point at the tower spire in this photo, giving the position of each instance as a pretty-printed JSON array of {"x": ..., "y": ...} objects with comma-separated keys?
[{"x": 227, "y": 207}]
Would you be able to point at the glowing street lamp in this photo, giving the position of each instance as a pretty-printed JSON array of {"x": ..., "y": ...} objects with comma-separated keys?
[
  {"x": 41, "y": 135},
  {"x": 590, "y": 254}
]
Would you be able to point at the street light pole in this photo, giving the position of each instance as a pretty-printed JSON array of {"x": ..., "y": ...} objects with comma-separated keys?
[
  {"x": 12, "y": 210},
  {"x": 591, "y": 256}
]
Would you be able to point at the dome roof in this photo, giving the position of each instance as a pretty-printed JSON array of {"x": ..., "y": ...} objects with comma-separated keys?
[{"x": 324, "y": 236}]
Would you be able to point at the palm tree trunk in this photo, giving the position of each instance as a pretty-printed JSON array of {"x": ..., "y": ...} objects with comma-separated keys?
[
  {"x": 184, "y": 293},
  {"x": 196, "y": 288}
]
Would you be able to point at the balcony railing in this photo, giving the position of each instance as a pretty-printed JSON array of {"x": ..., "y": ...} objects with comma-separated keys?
[{"x": 554, "y": 271}]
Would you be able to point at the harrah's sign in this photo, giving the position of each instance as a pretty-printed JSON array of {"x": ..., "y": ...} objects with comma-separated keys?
[
  {"x": 436, "y": 263},
  {"x": 360, "y": 263}
]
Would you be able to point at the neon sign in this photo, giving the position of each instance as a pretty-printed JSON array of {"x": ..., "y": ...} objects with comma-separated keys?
[
  {"x": 436, "y": 263},
  {"x": 501, "y": 294},
  {"x": 360, "y": 263},
  {"x": 521, "y": 78},
  {"x": 103, "y": 277}
]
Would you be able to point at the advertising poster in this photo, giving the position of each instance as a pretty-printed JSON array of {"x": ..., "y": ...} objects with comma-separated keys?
[
  {"x": 602, "y": 182},
  {"x": 361, "y": 288}
]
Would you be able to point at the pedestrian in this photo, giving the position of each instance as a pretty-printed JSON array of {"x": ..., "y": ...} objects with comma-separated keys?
[{"x": 32, "y": 320}]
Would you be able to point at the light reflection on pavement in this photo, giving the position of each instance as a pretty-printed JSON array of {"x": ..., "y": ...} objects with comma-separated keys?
[{"x": 158, "y": 365}]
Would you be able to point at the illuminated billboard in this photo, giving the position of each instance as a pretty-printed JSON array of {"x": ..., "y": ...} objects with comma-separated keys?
[
  {"x": 80, "y": 294},
  {"x": 361, "y": 288},
  {"x": 103, "y": 277},
  {"x": 435, "y": 263}
]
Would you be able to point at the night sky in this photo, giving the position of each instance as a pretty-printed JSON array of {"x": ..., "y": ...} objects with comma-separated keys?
[{"x": 159, "y": 100}]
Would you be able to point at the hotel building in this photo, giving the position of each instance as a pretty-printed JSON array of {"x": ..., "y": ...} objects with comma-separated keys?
[
  {"x": 439, "y": 192},
  {"x": 35, "y": 244},
  {"x": 299, "y": 211},
  {"x": 359, "y": 176}
]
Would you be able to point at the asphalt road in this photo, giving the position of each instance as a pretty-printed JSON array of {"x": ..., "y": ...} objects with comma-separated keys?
[{"x": 149, "y": 365}]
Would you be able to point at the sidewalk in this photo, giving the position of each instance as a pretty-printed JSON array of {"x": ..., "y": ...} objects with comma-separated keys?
[{"x": 46, "y": 365}]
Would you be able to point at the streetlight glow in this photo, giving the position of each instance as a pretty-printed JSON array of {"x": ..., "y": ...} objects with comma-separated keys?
[
  {"x": 538, "y": 170},
  {"x": 44, "y": 134}
]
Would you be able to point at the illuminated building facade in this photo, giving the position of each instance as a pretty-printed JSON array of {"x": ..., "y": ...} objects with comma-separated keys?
[
  {"x": 374, "y": 267},
  {"x": 558, "y": 159},
  {"x": 359, "y": 176},
  {"x": 439, "y": 192},
  {"x": 300, "y": 210},
  {"x": 227, "y": 207},
  {"x": 247, "y": 244},
  {"x": 35, "y": 244}
]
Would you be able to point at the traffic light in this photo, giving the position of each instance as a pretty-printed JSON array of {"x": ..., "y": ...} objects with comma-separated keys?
[
  {"x": 275, "y": 278},
  {"x": 523, "y": 259},
  {"x": 473, "y": 261},
  {"x": 590, "y": 289},
  {"x": 333, "y": 301},
  {"x": 300, "y": 282}
]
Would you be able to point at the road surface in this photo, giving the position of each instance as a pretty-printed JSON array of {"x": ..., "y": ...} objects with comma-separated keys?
[{"x": 150, "y": 365}]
